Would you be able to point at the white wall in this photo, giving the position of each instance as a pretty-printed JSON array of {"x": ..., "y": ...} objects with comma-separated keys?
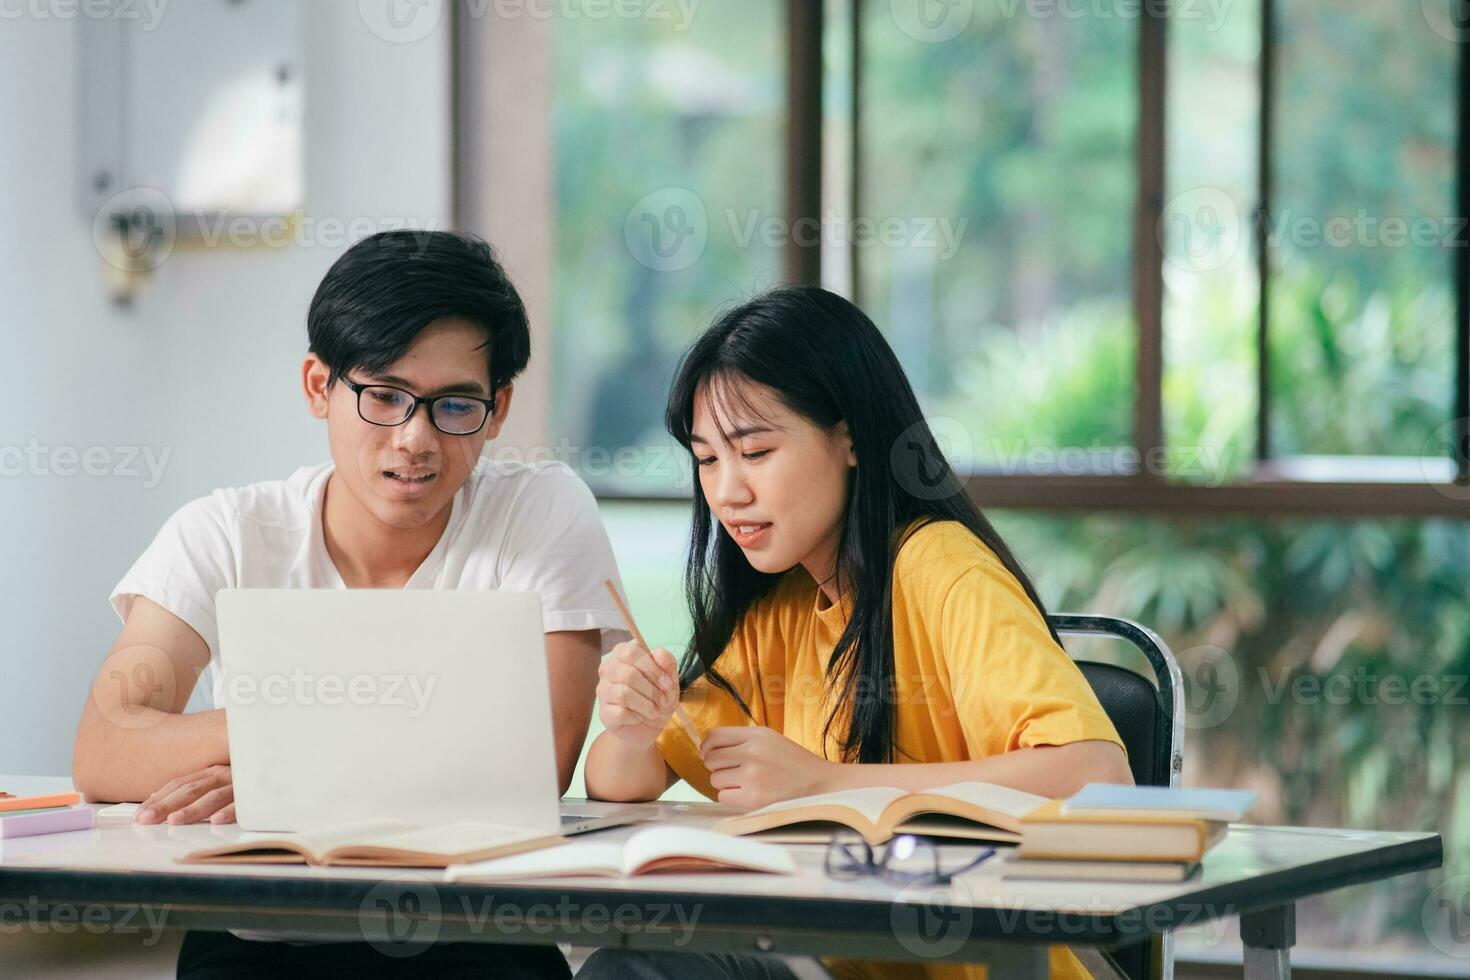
[{"x": 203, "y": 367}]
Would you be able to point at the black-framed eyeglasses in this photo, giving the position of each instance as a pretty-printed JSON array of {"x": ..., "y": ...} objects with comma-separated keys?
[
  {"x": 453, "y": 415},
  {"x": 906, "y": 859}
]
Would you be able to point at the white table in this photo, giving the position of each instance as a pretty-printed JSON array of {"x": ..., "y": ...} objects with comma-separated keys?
[{"x": 127, "y": 873}]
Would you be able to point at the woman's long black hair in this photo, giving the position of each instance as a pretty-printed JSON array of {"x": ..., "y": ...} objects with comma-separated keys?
[{"x": 826, "y": 361}]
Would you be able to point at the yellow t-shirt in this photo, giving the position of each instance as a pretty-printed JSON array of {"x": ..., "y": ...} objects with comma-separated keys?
[{"x": 976, "y": 673}]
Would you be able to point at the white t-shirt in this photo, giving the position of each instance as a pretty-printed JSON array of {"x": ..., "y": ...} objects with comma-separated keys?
[{"x": 516, "y": 527}]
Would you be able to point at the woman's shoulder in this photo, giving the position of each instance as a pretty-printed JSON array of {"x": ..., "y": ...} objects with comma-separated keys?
[{"x": 936, "y": 554}]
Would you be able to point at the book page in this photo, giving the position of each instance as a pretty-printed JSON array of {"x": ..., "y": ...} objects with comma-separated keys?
[
  {"x": 657, "y": 844},
  {"x": 449, "y": 839},
  {"x": 955, "y": 828},
  {"x": 804, "y": 832},
  {"x": 318, "y": 842},
  {"x": 552, "y": 862},
  {"x": 869, "y": 801},
  {"x": 1001, "y": 799}
]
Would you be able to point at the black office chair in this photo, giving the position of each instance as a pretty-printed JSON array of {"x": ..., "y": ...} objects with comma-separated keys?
[{"x": 1148, "y": 713}]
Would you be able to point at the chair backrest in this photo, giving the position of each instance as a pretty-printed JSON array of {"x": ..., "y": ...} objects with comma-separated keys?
[{"x": 1148, "y": 713}]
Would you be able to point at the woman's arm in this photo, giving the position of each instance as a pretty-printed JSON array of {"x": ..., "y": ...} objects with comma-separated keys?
[
  {"x": 753, "y": 767},
  {"x": 1053, "y": 771}
]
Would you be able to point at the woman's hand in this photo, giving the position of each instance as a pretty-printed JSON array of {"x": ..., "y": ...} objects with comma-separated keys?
[
  {"x": 753, "y": 766},
  {"x": 189, "y": 799},
  {"x": 637, "y": 692}
]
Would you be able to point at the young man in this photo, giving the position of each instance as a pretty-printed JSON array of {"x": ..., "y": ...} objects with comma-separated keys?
[{"x": 415, "y": 341}]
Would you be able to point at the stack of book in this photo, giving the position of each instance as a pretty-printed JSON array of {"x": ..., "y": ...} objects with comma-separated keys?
[
  {"x": 1104, "y": 832},
  {"x": 1126, "y": 833},
  {"x": 51, "y": 813}
]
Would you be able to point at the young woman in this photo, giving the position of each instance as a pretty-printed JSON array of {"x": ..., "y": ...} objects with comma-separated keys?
[{"x": 856, "y": 620}]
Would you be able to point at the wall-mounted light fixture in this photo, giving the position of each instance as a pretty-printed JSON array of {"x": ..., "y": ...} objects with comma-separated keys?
[{"x": 191, "y": 128}]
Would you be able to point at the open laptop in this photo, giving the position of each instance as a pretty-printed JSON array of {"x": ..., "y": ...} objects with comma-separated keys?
[{"x": 429, "y": 706}]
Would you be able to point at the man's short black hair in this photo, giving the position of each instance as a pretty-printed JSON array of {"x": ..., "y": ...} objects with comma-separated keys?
[{"x": 379, "y": 296}]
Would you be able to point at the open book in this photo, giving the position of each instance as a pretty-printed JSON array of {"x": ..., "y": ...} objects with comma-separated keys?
[
  {"x": 974, "y": 811},
  {"x": 389, "y": 843},
  {"x": 663, "y": 849}
]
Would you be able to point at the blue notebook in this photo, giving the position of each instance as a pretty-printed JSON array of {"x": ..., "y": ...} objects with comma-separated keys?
[{"x": 1204, "y": 804}]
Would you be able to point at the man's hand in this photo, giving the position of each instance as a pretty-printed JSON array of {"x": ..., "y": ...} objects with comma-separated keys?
[
  {"x": 754, "y": 766},
  {"x": 189, "y": 799}
]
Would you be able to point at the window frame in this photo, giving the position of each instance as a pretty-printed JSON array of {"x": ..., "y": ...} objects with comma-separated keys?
[{"x": 1270, "y": 489}]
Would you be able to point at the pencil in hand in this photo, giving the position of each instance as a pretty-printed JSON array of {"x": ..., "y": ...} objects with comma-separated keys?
[{"x": 627, "y": 615}]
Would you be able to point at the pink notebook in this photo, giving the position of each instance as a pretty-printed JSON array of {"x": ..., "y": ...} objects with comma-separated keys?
[{"x": 47, "y": 822}]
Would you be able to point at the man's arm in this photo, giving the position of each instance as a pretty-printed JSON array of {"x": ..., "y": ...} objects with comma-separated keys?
[
  {"x": 133, "y": 736},
  {"x": 572, "y": 657},
  {"x": 622, "y": 773}
]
